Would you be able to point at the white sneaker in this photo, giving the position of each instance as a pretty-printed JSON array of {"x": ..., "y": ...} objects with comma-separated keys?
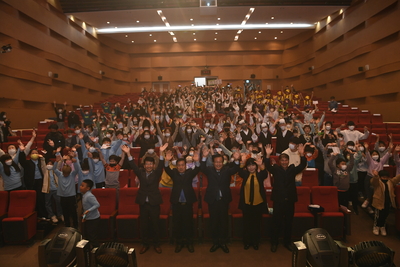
[
  {"x": 54, "y": 219},
  {"x": 365, "y": 204},
  {"x": 375, "y": 230},
  {"x": 370, "y": 210},
  {"x": 350, "y": 203},
  {"x": 383, "y": 231}
]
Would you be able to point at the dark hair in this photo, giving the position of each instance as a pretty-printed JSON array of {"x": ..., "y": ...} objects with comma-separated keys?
[
  {"x": 379, "y": 155},
  {"x": 382, "y": 143},
  {"x": 114, "y": 157},
  {"x": 106, "y": 139},
  {"x": 180, "y": 159},
  {"x": 281, "y": 156},
  {"x": 349, "y": 123},
  {"x": 383, "y": 173},
  {"x": 89, "y": 183},
  {"x": 149, "y": 159},
  {"x": 350, "y": 143},
  {"x": 7, "y": 169},
  {"x": 250, "y": 161},
  {"x": 340, "y": 160},
  {"x": 217, "y": 156},
  {"x": 95, "y": 155},
  {"x": 85, "y": 164}
]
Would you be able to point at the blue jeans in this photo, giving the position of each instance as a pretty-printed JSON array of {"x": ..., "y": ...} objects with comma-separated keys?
[{"x": 49, "y": 204}]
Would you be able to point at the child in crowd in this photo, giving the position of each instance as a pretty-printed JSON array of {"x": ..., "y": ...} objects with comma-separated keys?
[
  {"x": 50, "y": 185},
  {"x": 384, "y": 199},
  {"x": 91, "y": 215},
  {"x": 99, "y": 176}
]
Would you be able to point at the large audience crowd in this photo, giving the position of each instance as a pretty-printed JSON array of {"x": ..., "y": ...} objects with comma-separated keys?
[{"x": 253, "y": 140}]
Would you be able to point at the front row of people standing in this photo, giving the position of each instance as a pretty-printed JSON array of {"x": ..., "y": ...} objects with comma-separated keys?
[{"x": 217, "y": 196}]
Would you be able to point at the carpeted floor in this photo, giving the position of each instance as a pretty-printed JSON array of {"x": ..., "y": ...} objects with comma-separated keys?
[{"x": 27, "y": 256}]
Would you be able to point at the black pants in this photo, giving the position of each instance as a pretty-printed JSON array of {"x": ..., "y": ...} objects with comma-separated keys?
[
  {"x": 40, "y": 198},
  {"x": 252, "y": 216},
  {"x": 353, "y": 196},
  {"x": 92, "y": 230},
  {"x": 219, "y": 222},
  {"x": 183, "y": 223},
  {"x": 369, "y": 190},
  {"x": 150, "y": 215},
  {"x": 381, "y": 216},
  {"x": 282, "y": 219},
  {"x": 101, "y": 185},
  {"x": 343, "y": 197},
  {"x": 361, "y": 181},
  {"x": 68, "y": 205}
]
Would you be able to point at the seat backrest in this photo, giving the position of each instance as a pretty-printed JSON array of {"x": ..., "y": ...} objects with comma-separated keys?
[
  {"x": 303, "y": 199},
  {"x": 22, "y": 202},
  {"x": 325, "y": 196},
  {"x": 123, "y": 178},
  {"x": 165, "y": 207},
  {"x": 107, "y": 199},
  {"x": 3, "y": 202},
  {"x": 234, "y": 205},
  {"x": 309, "y": 178},
  {"x": 126, "y": 204}
]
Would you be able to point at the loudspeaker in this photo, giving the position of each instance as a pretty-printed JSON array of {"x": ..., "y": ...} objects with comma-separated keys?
[
  {"x": 253, "y": 76},
  {"x": 159, "y": 78}
]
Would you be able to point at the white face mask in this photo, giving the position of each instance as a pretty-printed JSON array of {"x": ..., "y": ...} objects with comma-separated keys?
[
  {"x": 382, "y": 148},
  {"x": 292, "y": 146},
  {"x": 49, "y": 167},
  {"x": 361, "y": 148},
  {"x": 147, "y": 136},
  {"x": 351, "y": 127},
  {"x": 92, "y": 149},
  {"x": 85, "y": 172},
  {"x": 77, "y": 131},
  {"x": 351, "y": 147},
  {"x": 375, "y": 157},
  {"x": 207, "y": 124},
  {"x": 9, "y": 162},
  {"x": 265, "y": 130},
  {"x": 174, "y": 162},
  {"x": 70, "y": 135},
  {"x": 283, "y": 128},
  {"x": 343, "y": 167},
  {"x": 95, "y": 160},
  {"x": 167, "y": 134},
  {"x": 191, "y": 153},
  {"x": 108, "y": 135},
  {"x": 309, "y": 154},
  {"x": 125, "y": 138},
  {"x": 328, "y": 127},
  {"x": 12, "y": 151},
  {"x": 105, "y": 146},
  {"x": 189, "y": 130},
  {"x": 150, "y": 151}
]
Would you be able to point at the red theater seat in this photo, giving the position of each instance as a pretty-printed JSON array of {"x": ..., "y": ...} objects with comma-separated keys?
[
  {"x": 20, "y": 225},
  {"x": 128, "y": 214},
  {"x": 303, "y": 219},
  {"x": 107, "y": 199}
]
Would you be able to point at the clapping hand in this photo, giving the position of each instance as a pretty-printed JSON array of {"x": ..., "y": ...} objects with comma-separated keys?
[{"x": 268, "y": 150}]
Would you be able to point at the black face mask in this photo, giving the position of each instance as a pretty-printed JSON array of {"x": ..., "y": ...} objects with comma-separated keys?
[
  {"x": 113, "y": 165},
  {"x": 254, "y": 151}
]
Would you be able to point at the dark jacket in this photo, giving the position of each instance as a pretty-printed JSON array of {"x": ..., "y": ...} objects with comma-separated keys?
[
  {"x": 29, "y": 170},
  {"x": 218, "y": 182},
  {"x": 148, "y": 185},
  {"x": 261, "y": 175},
  {"x": 282, "y": 142},
  {"x": 182, "y": 181},
  {"x": 284, "y": 186}
]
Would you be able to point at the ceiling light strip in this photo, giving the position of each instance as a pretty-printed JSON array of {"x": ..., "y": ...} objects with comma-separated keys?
[
  {"x": 208, "y": 28},
  {"x": 164, "y": 19},
  {"x": 246, "y": 18}
]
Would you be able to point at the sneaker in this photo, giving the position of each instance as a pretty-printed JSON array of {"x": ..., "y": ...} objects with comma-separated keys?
[
  {"x": 375, "y": 230},
  {"x": 44, "y": 219},
  {"x": 350, "y": 203},
  {"x": 54, "y": 219},
  {"x": 61, "y": 218},
  {"x": 383, "y": 231},
  {"x": 370, "y": 210},
  {"x": 365, "y": 204}
]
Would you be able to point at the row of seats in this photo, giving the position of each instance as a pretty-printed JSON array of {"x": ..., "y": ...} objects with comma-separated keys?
[{"x": 122, "y": 223}]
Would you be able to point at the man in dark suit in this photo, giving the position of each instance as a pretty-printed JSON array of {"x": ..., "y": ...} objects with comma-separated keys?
[
  {"x": 283, "y": 135},
  {"x": 284, "y": 195},
  {"x": 218, "y": 195},
  {"x": 182, "y": 199},
  {"x": 148, "y": 197}
]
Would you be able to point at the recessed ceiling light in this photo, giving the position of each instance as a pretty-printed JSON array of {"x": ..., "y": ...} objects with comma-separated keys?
[
  {"x": 108, "y": 22},
  {"x": 191, "y": 19},
  {"x": 218, "y": 18},
  {"x": 281, "y": 31},
  {"x": 259, "y": 32},
  {"x": 137, "y": 21},
  {"x": 215, "y": 39},
  {"x": 291, "y": 22},
  {"x": 217, "y": 24},
  {"x": 126, "y": 35},
  {"x": 255, "y": 37},
  {"x": 116, "y": 27},
  {"x": 216, "y": 32},
  {"x": 192, "y": 24},
  {"x": 266, "y": 23},
  {"x": 276, "y": 38},
  {"x": 272, "y": 17},
  {"x": 194, "y": 33},
  {"x": 133, "y": 41},
  {"x": 155, "y": 40},
  {"x": 194, "y": 39},
  {"x": 150, "y": 34}
]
